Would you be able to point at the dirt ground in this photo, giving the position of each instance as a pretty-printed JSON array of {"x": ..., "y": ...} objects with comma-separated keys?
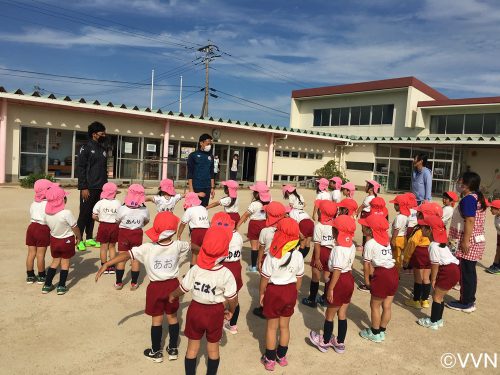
[{"x": 96, "y": 329}]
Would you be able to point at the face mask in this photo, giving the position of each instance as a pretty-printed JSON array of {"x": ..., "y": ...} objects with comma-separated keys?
[
  {"x": 101, "y": 140},
  {"x": 460, "y": 188},
  {"x": 207, "y": 148}
]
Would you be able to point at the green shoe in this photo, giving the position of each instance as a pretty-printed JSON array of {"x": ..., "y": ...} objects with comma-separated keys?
[
  {"x": 40, "y": 280},
  {"x": 92, "y": 243},
  {"x": 61, "y": 290},
  {"x": 30, "y": 279},
  {"x": 47, "y": 288},
  {"x": 81, "y": 246}
]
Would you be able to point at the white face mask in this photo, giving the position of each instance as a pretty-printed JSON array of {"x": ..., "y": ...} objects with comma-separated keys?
[
  {"x": 207, "y": 148},
  {"x": 460, "y": 188}
]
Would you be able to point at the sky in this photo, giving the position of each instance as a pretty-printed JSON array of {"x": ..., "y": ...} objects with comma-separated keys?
[{"x": 267, "y": 49}]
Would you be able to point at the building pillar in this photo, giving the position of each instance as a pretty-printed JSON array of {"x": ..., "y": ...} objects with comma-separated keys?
[
  {"x": 270, "y": 157},
  {"x": 166, "y": 137},
  {"x": 3, "y": 139}
]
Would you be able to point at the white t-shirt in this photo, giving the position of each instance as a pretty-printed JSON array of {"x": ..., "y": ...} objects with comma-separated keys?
[
  {"x": 400, "y": 223},
  {"x": 441, "y": 255},
  {"x": 256, "y": 210},
  {"x": 161, "y": 261},
  {"x": 235, "y": 246},
  {"x": 196, "y": 217},
  {"x": 378, "y": 255},
  {"x": 132, "y": 218},
  {"x": 234, "y": 165},
  {"x": 336, "y": 196},
  {"x": 341, "y": 258},
  {"x": 323, "y": 235},
  {"x": 323, "y": 196},
  {"x": 412, "y": 219},
  {"x": 226, "y": 201},
  {"x": 166, "y": 202},
  {"x": 366, "y": 203},
  {"x": 37, "y": 212},
  {"x": 266, "y": 238},
  {"x": 107, "y": 210},
  {"x": 298, "y": 215},
  {"x": 294, "y": 202},
  {"x": 497, "y": 223},
  {"x": 447, "y": 214},
  {"x": 283, "y": 275},
  {"x": 61, "y": 224},
  {"x": 210, "y": 286}
]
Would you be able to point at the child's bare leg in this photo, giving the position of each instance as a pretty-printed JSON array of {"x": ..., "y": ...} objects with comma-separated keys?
[
  {"x": 40, "y": 259},
  {"x": 30, "y": 259},
  {"x": 386, "y": 311},
  {"x": 104, "y": 252},
  {"x": 112, "y": 250},
  {"x": 375, "y": 304},
  {"x": 284, "y": 324}
]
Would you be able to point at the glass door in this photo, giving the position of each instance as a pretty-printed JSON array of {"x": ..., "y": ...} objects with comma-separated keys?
[
  {"x": 152, "y": 159},
  {"x": 222, "y": 151},
  {"x": 129, "y": 158},
  {"x": 60, "y": 153},
  {"x": 33, "y": 158}
]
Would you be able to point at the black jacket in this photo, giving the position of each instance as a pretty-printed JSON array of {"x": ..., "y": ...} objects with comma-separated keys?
[{"x": 92, "y": 166}]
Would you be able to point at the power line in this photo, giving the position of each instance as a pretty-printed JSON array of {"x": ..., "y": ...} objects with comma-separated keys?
[
  {"x": 249, "y": 101},
  {"x": 183, "y": 99}
]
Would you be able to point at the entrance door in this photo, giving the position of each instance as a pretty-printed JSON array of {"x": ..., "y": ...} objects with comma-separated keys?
[{"x": 249, "y": 157}]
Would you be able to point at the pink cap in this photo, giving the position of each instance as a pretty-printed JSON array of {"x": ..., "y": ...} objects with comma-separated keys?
[
  {"x": 338, "y": 182},
  {"x": 109, "y": 190},
  {"x": 265, "y": 196},
  {"x": 322, "y": 184},
  {"x": 288, "y": 189},
  {"x": 191, "y": 200},
  {"x": 55, "y": 199},
  {"x": 135, "y": 195},
  {"x": 375, "y": 184},
  {"x": 167, "y": 186},
  {"x": 260, "y": 186},
  {"x": 41, "y": 186},
  {"x": 349, "y": 186},
  {"x": 232, "y": 187}
]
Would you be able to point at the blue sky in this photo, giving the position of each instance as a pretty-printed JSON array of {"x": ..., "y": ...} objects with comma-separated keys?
[{"x": 269, "y": 48}]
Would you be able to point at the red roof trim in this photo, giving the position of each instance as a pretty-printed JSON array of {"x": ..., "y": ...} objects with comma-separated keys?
[
  {"x": 393, "y": 83},
  {"x": 464, "y": 101}
]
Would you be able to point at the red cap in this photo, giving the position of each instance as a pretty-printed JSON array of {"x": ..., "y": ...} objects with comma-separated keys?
[
  {"x": 377, "y": 205},
  {"x": 346, "y": 227},
  {"x": 452, "y": 196},
  {"x": 164, "y": 226},
  {"x": 350, "y": 204},
  {"x": 403, "y": 202},
  {"x": 412, "y": 200},
  {"x": 328, "y": 210},
  {"x": 430, "y": 208},
  {"x": 214, "y": 249},
  {"x": 275, "y": 211},
  {"x": 437, "y": 226},
  {"x": 495, "y": 204},
  {"x": 379, "y": 226},
  {"x": 224, "y": 221},
  {"x": 286, "y": 238}
]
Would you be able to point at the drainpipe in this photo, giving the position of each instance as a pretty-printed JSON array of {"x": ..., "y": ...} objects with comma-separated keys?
[
  {"x": 3, "y": 139},
  {"x": 166, "y": 135},
  {"x": 270, "y": 156}
]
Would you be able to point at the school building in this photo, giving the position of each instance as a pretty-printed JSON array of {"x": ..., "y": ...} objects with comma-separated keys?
[{"x": 371, "y": 129}]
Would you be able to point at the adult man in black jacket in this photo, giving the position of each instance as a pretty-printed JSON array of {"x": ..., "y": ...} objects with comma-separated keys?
[{"x": 92, "y": 175}]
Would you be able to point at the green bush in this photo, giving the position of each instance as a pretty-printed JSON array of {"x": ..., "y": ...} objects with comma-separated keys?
[
  {"x": 29, "y": 181},
  {"x": 330, "y": 170}
]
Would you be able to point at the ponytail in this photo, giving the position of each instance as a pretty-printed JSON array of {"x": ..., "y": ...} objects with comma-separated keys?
[
  {"x": 298, "y": 196},
  {"x": 233, "y": 201},
  {"x": 481, "y": 199},
  {"x": 284, "y": 265}
]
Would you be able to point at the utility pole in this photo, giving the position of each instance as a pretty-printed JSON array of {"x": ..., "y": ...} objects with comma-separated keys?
[
  {"x": 152, "y": 88},
  {"x": 180, "y": 97},
  {"x": 211, "y": 52}
]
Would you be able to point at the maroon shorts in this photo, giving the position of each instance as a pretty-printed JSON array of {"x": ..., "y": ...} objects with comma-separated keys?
[
  {"x": 157, "y": 297},
  {"x": 38, "y": 235},
  {"x": 107, "y": 233},
  {"x": 306, "y": 227},
  {"x": 384, "y": 282},
  {"x": 324, "y": 255},
  {"x": 409, "y": 231},
  {"x": 204, "y": 319},
  {"x": 235, "y": 268},
  {"x": 62, "y": 247},
  {"x": 279, "y": 300},
  {"x": 420, "y": 258},
  {"x": 254, "y": 228},
  {"x": 364, "y": 214},
  {"x": 448, "y": 276},
  {"x": 197, "y": 235},
  {"x": 343, "y": 290},
  {"x": 129, "y": 238},
  {"x": 234, "y": 217}
]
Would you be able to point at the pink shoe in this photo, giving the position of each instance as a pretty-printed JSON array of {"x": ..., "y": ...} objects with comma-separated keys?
[
  {"x": 317, "y": 341},
  {"x": 118, "y": 286},
  {"x": 268, "y": 364},
  {"x": 134, "y": 286},
  {"x": 282, "y": 361},
  {"x": 339, "y": 347},
  {"x": 231, "y": 329}
]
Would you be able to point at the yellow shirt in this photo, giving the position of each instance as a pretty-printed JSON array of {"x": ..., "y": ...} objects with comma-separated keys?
[{"x": 417, "y": 239}]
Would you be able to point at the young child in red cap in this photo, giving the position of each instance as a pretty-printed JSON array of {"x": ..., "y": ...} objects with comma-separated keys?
[
  {"x": 281, "y": 277},
  {"x": 449, "y": 200},
  {"x": 132, "y": 217},
  {"x": 322, "y": 194},
  {"x": 230, "y": 201},
  {"x": 161, "y": 259},
  {"x": 212, "y": 285},
  {"x": 167, "y": 198},
  {"x": 383, "y": 281},
  {"x": 37, "y": 234},
  {"x": 495, "y": 211},
  {"x": 105, "y": 212},
  {"x": 340, "y": 286},
  {"x": 347, "y": 206},
  {"x": 398, "y": 228},
  {"x": 64, "y": 233},
  {"x": 412, "y": 219}
]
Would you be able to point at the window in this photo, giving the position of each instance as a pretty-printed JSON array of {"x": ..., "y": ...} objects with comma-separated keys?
[
  {"x": 317, "y": 117},
  {"x": 473, "y": 124},
  {"x": 377, "y": 115},
  {"x": 344, "y": 116},
  {"x": 364, "y": 118},
  {"x": 487, "y": 123},
  {"x": 454, "y": 124},
  {"x": 335, "y": 121},
  {"x": 285, "y": 154},
  {"x": 387, "y": 112},
  {"x": 359, "y": 166},
  {"x": 491, "y": 124},
  {"x": 325, "y": 117},
  {"x": 438, "y": 125},
  {"x": 277, "y": 153},
  {"x": 354, "y": 116},
  {"x": 303, "y": 155},
  {"x": 319, "y": 156},
  {"x": 355, "y": 112},
  {"x": 310, "y": 156},
  {"x": 295, "y": 154}
]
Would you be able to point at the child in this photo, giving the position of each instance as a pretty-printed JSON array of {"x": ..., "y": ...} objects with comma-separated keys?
[
  {"x": 322, "y": 193},
  {"x": 230, "y": 201},
  {"x": 37, "y": 234},
  {"x": 64, "y": 233},
  {"x": 161, "y": 258},
  {"x": 445, "y": 271},
  {"x": 132, "y": 217},
  {"x": 348, "y": 190},
  {"x": 295, "y": 200},
  {"x": 281, "y": 277},
  {"x": 412, "y": 219},
  {"x": 398, "y": 228},
  {"x": 340, "y": 286},
  {"x": 334, "y": 185},
  {"x": 257, "y": 215},
  {"x": 323, "y": 245},
  {"x": 196, "y": 216},
  {"x": 495, "y": 211},
  {"x": 449, "y": 199},
  {"x": 383, "y": 284},
  {"x": 347, "y": 206},
  {"x": 372, "y": 188},
  {"x": 297, "y": 213},
  {"x": 212, "y": 285},
  {"x": 105, "y": 212},
  {"x": 167, "y": 198}
]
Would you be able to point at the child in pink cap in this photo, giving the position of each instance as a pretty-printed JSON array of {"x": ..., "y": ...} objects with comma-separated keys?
[
  {"x": 63, "y": 234},
  {"x": 132, "y": 217},
  {"x": 37, "y": 234},
  {"x": 105, "y": 212},
  {"x": 196, "y": 217},
  {"x": 322, "y": 193},
  {"x": 230, "y": 201},
  {"x": 167, "y": 197},
  {"x": 334, "y": 186},
  {"x": 348, "y": 190},
  {"x": 257, "y": 215}
]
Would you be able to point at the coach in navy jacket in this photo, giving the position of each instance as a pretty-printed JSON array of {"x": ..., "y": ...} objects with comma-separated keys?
[{"x": 200, "y": 166}]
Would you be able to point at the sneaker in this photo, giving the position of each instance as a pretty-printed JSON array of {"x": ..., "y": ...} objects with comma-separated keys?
[
  {"x": 322, "y": 301},
  {"x": 456, "y": 287},
  {"x": 40, "y": 280},
  {"x": 251, "y": 269},
  {"x": 457, "y": 305},
  {"x": 231, "y": 329},
  {"x": 268, "y": 364},
  {"x": 134, "y": 286},
  {"x": 382, "y": 335},
  {"x": 426, "y": 322},
  {"x": 339, "y": 347},
  {"x": 368, "y": 334},
  {"x": 112, "y": 270},
  {"x": 47, "y": 288},
  {"x": 425, "y": 304},
  {"x": 259, "y": 311},
  {"x": 282, "y": 361},
  {"x": 493, "y": 269},
  {"x": 118, "y": 286},
  {"x": 81, "y": 246},
  {"x": 317, "y": 340},
  {"x": 470, "y": 309},
  {"x": 363, "y": 288},
  {"x": 411, "y": 303},
  {"x": 173, "y": 353},
  {"x": 154, "y": 356},
  {"x": 30, "y": 279},
  {"x": 92, "y": 243},
  {"x": 306, "y": 301},
  {"x": 106, "y": 271},
  {"x": 61, "y": 290}
]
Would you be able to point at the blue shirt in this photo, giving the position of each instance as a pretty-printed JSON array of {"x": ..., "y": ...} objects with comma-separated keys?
[
  {"x": 200, "y": 165},
  {"x": 421, "y": 184},
  {"x": 468, "y": 206}
]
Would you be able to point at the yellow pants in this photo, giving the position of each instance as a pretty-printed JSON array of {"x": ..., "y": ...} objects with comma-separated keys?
[{"x": 397, "y": 251}]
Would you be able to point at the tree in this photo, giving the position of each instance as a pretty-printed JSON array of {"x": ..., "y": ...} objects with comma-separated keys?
[{"x": 330, "y": 170}]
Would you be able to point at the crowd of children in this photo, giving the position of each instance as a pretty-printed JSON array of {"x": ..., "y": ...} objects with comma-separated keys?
[{"x": 281, "y": 236}]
